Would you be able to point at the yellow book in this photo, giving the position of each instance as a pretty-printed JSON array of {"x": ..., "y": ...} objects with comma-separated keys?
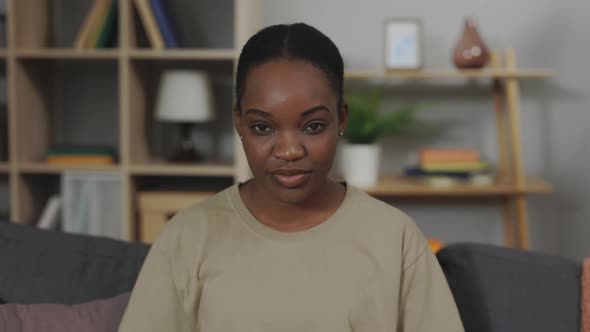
[
  {"x": 455, "y": 167},
  {"x": 89, "y": 26},
  {"x": 80, "y": 160},
  {"x": 427, "y": 159},
  {"x": 103, "y": 11},
  {"x": 149, "y": 23}
]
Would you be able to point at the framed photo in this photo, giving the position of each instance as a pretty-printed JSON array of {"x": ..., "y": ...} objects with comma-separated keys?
[{"x": 402, "y": 44}]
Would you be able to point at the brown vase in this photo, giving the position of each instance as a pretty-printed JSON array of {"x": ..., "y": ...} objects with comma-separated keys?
[{"x": 470, "y": 52}]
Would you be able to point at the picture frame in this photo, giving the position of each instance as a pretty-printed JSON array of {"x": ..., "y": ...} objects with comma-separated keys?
[{"x": 402, "y": 44}]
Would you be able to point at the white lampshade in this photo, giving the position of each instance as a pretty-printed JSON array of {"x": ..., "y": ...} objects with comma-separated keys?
[{"x": 184, "y": 96}]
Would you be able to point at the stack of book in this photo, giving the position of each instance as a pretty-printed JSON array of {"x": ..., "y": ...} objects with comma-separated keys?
[
  {"x": 157, "y": 23},
  {"x": 100, "y": 27},
  {"x": 448, "y": 166},
  {"x": 80, "y": 155}
]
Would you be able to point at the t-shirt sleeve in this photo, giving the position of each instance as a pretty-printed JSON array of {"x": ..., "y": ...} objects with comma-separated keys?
[
  {"x": 426, "y": 302},
  {"x": 155, "y": 303}
]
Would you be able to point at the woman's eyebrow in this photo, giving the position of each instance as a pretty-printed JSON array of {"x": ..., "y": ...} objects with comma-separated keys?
[
  {"x": 315, "y": 109},
  {"x": 259, "y": 112},
  {"x": 305, "y": 113}
]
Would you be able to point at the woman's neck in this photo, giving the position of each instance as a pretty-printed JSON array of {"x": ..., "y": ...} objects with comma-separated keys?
[{"x": 292, "y": 217}]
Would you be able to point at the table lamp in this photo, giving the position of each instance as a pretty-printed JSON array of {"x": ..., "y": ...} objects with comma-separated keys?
[{"x": 184, "y": 97}]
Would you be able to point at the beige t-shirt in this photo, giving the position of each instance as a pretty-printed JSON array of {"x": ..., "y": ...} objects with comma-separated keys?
[{"x": 216, "y": 268}]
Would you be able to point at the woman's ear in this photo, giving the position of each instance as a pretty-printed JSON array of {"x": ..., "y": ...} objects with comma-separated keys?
[
  {"x": 237, "y": 117},
  {"x": 343, "y": 117}
]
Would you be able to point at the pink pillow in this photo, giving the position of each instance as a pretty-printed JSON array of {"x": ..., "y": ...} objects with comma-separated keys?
[{"x": 99, "y": 315}]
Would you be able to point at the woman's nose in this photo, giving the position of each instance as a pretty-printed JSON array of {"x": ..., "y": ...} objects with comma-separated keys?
[{"x": 288, "y": 147}]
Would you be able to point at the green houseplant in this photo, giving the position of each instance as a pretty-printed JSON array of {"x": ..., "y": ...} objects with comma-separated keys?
[
  {"x": 361, "y": 153},
  {"x": 365, "y": 123}
]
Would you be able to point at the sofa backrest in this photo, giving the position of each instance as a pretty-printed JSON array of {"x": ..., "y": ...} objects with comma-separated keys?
[
  {"x": 509, "y": 290},
  {"x": 42, "y": 266}
]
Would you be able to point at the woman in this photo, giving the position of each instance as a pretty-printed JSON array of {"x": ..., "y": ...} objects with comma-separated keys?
[{"x": 291, "y": 249}]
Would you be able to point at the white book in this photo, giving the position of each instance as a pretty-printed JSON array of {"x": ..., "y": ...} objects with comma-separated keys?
[{"x": 50, "y": 217}]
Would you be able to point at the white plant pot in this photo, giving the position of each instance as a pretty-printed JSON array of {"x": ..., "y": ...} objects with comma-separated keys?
[{"x": 359, "y": 164}]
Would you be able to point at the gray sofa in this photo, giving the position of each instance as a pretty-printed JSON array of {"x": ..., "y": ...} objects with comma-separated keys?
[
  {"x": 38, "y": 266},
  {"x": 510, "y": 290},
  {"x": 496, "y": 289}
]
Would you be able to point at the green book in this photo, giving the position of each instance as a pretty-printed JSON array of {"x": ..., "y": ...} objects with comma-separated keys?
[
  {"x": 80, "y": 150},
  {"x": 108, "y": 27}
]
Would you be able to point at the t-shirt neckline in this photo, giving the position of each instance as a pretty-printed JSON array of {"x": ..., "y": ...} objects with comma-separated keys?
[{"x": 257, "y": 226}]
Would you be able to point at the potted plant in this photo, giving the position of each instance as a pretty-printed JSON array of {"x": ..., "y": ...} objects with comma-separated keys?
[{"x": 361, "y": 153}]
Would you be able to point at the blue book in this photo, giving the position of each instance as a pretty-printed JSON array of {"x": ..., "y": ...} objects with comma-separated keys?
[
  {"x": 417, "y": 171},
  {"x": 164, "y": 23}
]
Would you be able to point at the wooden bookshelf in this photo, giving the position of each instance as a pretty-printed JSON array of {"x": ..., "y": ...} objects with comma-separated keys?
[
  {"x": 116, "y": 107},
  {"x": 184, "y": 54},
  {"x": 67, "y": 54},
  {"x": 44, "y": 168},
  {"x": 505, "y": 78},
  {"x": 58, "y": 94},
  {"x": 406, "y": 187},
  {"x": 430, "y": 74},
  {"x": 161, "y": 168}
]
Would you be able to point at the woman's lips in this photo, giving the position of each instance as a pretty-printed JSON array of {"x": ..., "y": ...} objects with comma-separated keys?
[{"x": 290, "y": 178}]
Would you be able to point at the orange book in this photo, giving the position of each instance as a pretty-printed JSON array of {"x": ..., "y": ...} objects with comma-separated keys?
[{"x": 434, "y": 155}]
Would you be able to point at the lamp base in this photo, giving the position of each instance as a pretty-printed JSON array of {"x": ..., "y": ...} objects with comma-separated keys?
[{"x": 185, "y": 152}]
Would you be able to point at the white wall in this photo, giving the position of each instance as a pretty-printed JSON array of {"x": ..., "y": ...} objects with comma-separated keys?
[{"x": 555, "y": 115}]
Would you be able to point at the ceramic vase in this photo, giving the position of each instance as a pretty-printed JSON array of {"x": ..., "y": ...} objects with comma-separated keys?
[
  {"x": 470, "y": 52},
  {"x": 360, "y": 164}
]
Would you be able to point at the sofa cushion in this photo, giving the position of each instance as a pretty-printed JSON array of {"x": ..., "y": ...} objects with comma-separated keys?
[
  {"x": 95, "y": 316},
  {"x": 42, "y": 266},
  {"x": 503, "y": 289}
]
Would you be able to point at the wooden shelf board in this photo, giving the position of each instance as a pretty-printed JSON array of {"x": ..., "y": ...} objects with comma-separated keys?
[
  {"x": 427, "y": 74},
  {"x": 65, "y": 53},
  {"x": 403, "y": 186},
  {"x": 163, "y": 168},
  {"x": 184, "y": 54},
  {"x": 43, "y": 168},
  {"x": 4, "y": 167}
]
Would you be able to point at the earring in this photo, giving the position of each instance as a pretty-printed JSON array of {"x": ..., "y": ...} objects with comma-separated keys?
[{"x": 340, "y": 133}]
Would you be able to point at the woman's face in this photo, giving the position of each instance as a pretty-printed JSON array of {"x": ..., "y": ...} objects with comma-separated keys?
[{"x": 289, "y": 125}]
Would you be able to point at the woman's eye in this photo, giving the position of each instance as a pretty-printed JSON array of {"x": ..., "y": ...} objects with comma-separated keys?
[
  {"x": 315, "y": 127},
  {"x": 261, "y": 128}
]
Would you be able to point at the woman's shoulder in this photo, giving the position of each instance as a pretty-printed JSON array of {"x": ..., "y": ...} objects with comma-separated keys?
[
  {"x": 190, "y": 224},
  {"x": 377, "y": 216},
  {"x": 376, "y": 209}
]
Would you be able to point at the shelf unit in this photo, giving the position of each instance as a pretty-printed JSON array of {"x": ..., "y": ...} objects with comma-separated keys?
[
  {"x": 66, "y": 54},
  {"x": 128, "y": 75},
  {"x": 510, "y": 187},
  {"x": 206, "y": 169},
  {"x": 193, "y": 54},
  {"x": 452, "y": 74},
  {"x": 52, "y": 100},
  {"x": 407, "y": 187}
]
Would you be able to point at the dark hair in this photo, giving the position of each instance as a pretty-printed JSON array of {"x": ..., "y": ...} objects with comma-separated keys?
[{"x": 297, "y": 41}]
